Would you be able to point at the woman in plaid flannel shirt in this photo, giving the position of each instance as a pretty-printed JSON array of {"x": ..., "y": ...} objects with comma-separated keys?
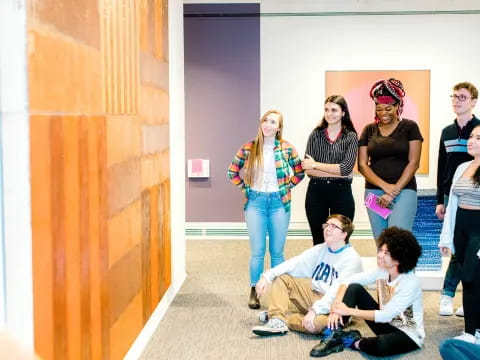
[{"x": 272, "y": 169}]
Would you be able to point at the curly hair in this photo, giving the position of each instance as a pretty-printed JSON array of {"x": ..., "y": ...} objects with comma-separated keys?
[{"x": 403, "y": 247}]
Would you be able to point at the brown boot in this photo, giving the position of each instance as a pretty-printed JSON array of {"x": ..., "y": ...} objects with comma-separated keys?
[{"x": 253, "y": 302}]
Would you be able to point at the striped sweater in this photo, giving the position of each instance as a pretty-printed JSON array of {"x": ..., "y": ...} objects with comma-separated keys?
[
  {"x": 287, "y": 163},
  {"x": 343, "y": 151}
]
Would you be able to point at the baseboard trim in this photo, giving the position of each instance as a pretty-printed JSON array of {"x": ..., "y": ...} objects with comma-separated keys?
[
  {"x": 140, "y": 343},
  {"x": 238, "y": 231}
]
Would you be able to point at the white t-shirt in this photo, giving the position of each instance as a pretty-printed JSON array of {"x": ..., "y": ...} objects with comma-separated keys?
[{"x": 266, "y": 180}]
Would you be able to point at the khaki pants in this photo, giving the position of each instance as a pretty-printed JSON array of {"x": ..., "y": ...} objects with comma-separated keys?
[{"x": 289, "y": 299}]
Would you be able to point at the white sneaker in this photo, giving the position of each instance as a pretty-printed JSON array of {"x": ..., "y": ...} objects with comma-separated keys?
[
  {"x": 459, "y": 311},
  {"x": 466, "y": 337},
  {"x": 262, "y": 317},
  {"x": 272, "y": 327},
  {"x": 446, "y": 306}
]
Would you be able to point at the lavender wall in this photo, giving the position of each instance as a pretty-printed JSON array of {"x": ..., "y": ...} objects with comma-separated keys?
[{"x": 222, "y": 101}]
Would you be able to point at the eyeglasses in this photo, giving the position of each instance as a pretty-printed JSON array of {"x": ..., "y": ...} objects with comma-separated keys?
[
  {"x": 331, "y": 226},
  {"x": 460, "y": 97}
]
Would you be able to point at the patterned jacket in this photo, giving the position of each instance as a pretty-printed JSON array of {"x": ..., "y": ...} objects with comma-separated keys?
[{"x": 286, "y": 160}]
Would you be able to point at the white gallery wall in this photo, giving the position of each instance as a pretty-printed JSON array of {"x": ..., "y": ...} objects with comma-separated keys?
[{"x": 301, "y": 40}]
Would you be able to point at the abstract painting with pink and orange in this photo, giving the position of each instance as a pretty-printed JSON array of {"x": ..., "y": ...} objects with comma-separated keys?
[{"x": 355, "y": 86}]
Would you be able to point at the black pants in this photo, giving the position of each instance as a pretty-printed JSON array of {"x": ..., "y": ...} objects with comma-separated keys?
[
  {"x": 389, "y": 340},
  {"x": 466, "y": 239},
  {"x": 325, "y": 197}
]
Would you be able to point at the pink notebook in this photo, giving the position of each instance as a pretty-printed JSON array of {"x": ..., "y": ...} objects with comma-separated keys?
[{"x": 371, "y": 202}]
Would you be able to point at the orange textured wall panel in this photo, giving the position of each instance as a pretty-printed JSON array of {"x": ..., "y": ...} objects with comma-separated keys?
[
  {"x": 124, "y": 138},
  {"x": 65, "y": 255},
  {"x": 71, "y": 187},
  {"x": 64, "y": 76},
  {"x": 164, "y": 254},
  {"x": 96, "y": 220},
  {"x": 124, "y": 181},
  {"x": 58, "y": 237},
  {"x": 126, "y": 328},
  {"x": 125, "y": 282},
  {"x": 158, "y": 30},
  {"x": 99, "y": 140},
  {"x": 78, "y": 20},
  {"x": 42, "y": 244},
  {"x": 154, "y": 247},
  {"x": 124, "y": 231},
  {"x": 153, "y": 104},
  {"x": 146, "y": 249}
]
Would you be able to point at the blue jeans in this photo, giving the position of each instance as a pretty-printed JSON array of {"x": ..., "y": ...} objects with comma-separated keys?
[
  {"x": 264, "y": 215},
  {"x": 454, "y": 272},
  {"x": 403, "y": 212},
  {"x": 453, "y": 349}
]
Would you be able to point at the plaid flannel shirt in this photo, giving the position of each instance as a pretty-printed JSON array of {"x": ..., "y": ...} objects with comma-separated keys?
[{"x": 286, "y": 160}]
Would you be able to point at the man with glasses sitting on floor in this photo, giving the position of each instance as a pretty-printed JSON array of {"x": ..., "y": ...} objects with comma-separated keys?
[{"x": 302, "y": 289}]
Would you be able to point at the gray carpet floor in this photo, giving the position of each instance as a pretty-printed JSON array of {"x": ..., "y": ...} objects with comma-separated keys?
[{"x": 209, "y": 318}]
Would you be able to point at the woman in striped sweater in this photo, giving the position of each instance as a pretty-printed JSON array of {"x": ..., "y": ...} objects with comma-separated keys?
[
  {"x": 329, "y": 159},
  {"x": 269, "y": 162},
  {"x": 461, "y": 233}
]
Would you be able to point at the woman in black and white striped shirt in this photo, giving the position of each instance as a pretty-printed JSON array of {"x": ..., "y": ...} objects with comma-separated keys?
[{"x": 329, "y": 159}]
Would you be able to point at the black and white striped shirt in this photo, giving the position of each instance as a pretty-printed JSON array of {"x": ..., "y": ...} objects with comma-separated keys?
[
  {"x": 343, "y": 151},
  {"x": 468, "y": 193}
]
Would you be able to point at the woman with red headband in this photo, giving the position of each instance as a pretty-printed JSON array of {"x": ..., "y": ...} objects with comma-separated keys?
[{"x": 388, "y": 157}]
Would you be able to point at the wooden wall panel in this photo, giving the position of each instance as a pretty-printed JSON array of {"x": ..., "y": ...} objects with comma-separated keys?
[
  {"x": 125, "y": 282},
  {"x": 42, "y": 245},
  {"x": 124, "y": 231},
  {"x": 100, "y": 174},
  {"x": 146, "y": 249},
  {"x": 126, "y": 328},
  {"x": 84, "y": 237},
  {"x": 124, "y": 138},
  {"x": 58, "y": 237},
  {"x": 158, "y": 30},
  {"x": 123, "y": 185},
  {"x": 164, "y": 239},
  {"x": 97, "y": 238},
  {"x": 63, "y": 77},
  {"x": 76, "y": 19},
  {"x": 120, "y": 47},
  {"x": 71, "y": 192},
  {"x": 68, "y": 176},
  {"x": 154, "y": 248}
]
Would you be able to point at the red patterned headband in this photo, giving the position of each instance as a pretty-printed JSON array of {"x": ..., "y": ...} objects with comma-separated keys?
[
  {"x": 385, "y": 99},
  {"x": 388, "y": 92}
]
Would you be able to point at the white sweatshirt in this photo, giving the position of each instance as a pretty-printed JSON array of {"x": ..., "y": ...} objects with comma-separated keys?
[
  {"x": 326, "y": 268},
  {"x": 405, "y": 308}
]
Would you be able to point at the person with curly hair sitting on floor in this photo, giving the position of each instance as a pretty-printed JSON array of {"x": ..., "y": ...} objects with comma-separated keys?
[{"x": 396, "y": 318}]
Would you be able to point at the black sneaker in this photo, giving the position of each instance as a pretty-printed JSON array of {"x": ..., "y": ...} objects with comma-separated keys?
[{"x": 329, "y": 344}]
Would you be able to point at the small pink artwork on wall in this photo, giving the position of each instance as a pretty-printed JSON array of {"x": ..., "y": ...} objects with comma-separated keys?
[{"x": 355, "y": 86}]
